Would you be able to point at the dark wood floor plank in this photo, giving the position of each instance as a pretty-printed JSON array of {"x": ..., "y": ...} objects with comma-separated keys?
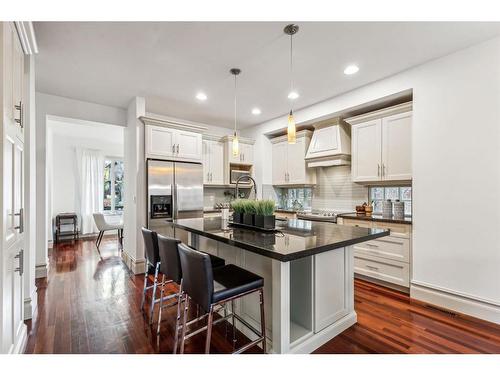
[{"x": 90, "y": 304}]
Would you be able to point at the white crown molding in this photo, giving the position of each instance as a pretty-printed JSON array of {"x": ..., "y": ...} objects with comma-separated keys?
[
  {"x": 172, "y": 124},
  {"x": 300, "y": 134},
  {"x": 400, "y": 108},
  {"x": 26, "y": 35},
  {"x": 240, "y": 139}
]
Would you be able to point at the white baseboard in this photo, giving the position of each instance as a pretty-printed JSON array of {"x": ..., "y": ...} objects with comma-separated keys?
[
  {"x": 41, "y": 270},
  {"x": 134, "y": 265},
  {"x": 30, "y": 306},
  {"x": 21, "y": 341},
  {"x": 450, "y": 301}
]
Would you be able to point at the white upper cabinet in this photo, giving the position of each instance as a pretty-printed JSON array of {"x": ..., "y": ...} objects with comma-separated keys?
[
  {"x": 381, "y": 145},
  {"x": 213, "y": 162},
  {"x": 280, "y": 164},
  {"x": 366, "y": 151},
  {"x": 160, "y": 142},
  {"x": 289, "y": 165},
  {"x": 245, "y": 147},
  {"x": 172, "y": 142},
  {"x": 396, "y": 147}
]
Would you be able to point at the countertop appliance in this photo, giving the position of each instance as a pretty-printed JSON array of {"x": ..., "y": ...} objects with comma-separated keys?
[
  {"x": 175, "y": 191},
  {"x": 320, "y": 215}
]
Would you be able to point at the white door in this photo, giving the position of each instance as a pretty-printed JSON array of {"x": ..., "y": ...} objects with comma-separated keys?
[
  {"x": 280, "y": 156},
  {"x": 160, "y": 142},
  {"x": 206, "y": 161},
  {"x": 396, "y": 147},
  {"x": 296, "y": 167},
  {"x": 216, "y": 163},
  {"x": 367, "y": 151},
  {"x": 188, "y": 145}
]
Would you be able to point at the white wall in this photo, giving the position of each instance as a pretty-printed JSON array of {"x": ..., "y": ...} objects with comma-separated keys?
[
  {"x": 66, "y": 137},
  {"x": 456, "y": 174},
  {"x": 48, "y": 106}
]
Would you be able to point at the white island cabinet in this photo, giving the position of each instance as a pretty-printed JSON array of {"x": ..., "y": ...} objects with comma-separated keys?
[{"x": 308, "y": 273}]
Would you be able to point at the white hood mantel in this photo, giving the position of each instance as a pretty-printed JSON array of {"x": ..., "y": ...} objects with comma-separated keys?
[{"x": 330, "y": 144}]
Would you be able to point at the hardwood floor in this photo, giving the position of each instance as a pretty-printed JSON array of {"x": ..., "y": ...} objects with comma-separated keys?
[{"x": 90, "y": 304}]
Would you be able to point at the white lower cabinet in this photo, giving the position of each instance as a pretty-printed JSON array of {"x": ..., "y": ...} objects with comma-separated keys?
[
  {"x": 330, "y": 280},
  {"x": 387, "y": 259}
]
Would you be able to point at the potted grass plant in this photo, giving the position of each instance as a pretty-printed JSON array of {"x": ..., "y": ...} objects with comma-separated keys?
[
  {"x": 237, "y": 206},
  {"x": 249, "y": 207},
  {"x": 264, "y": 217}
]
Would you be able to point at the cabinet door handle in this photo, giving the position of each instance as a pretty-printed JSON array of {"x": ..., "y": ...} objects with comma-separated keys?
[
  {"x": 177, "y": 149},
  {"x": 173, "y": 148},
  {"x": 371, "y": 245},
  {"x": 372, "y": 267},
  {"x": 20, "y": 227},
  {"x": 378, "y": 170},
  {"x": 20, "y": 256},
  {"x": 19, "y": 107},
  {"x": 383, "y": 170},
  {"x": 210, "y": 176}
]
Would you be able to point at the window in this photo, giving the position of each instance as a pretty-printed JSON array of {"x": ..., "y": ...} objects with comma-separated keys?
[
  {"x": 294, "y": 199},
  {"x": 113, "y": 185},
  {"x": 378, "y": 194}
]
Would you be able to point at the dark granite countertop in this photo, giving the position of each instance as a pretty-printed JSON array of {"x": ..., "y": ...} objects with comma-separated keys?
[
  {"x": 406, "y": 220},
  {"x": 295, "y": 238}
]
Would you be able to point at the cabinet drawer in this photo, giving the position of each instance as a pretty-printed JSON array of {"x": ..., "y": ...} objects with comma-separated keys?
[
  {"x": 398, "y": 230},
  {"x": 383, "y": 269},
  {"x": 357, "y": 223},
  {"x": 390, "y": 247}
]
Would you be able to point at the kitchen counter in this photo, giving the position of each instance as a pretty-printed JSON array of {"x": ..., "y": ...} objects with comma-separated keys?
[
  {"x": 406, "y": 220},
  {"x": 295, "y": 239}
]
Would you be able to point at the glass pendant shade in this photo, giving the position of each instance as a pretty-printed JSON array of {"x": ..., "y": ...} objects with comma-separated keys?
[
  {"x": 291, "y": 130},
  {"x": 236, "y": 148}
]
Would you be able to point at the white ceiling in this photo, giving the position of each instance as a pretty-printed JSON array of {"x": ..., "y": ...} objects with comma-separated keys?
[{"x": 169, "y": 62}]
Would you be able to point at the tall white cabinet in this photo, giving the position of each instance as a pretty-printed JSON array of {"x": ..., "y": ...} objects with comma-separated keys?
[
  {"x": 289, "y": 165},
  {"x": 381, "y": 145},
  {"x": 213, "y": 160}
]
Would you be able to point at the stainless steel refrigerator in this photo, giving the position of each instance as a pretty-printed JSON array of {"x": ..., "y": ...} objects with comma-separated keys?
[{"x": 175, "y": 191}]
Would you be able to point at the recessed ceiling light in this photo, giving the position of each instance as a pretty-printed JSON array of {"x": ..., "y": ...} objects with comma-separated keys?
[
  {"x": 256, "y": 111},
  {"x": 351, "y": 69},
  {"x": 201, "y": 96},
  {"x": 293, "y": 95}
]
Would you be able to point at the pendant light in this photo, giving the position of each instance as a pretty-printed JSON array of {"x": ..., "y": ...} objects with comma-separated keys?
[
  {"x": 236, "y": 150},
  {"x": 291, "y": 30}
]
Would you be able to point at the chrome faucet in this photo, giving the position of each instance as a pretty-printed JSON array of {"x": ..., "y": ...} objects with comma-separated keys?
[{"x": 238, "y": 182}]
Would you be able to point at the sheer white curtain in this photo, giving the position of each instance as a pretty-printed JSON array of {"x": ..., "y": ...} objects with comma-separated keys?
[{"x": 91, "y": 186}]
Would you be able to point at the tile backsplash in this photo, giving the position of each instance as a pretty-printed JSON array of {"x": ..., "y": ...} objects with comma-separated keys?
[{"x": 335, "y": 189}]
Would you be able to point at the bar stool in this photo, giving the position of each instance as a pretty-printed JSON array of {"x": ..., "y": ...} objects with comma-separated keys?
[
  {"x": 153, "y": 261},
  {"x": 231, "y": 283},
  {"x": 170, "y": 267}
]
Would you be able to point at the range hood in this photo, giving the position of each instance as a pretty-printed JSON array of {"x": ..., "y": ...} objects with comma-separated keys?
[{"x": 330, "y": 144}]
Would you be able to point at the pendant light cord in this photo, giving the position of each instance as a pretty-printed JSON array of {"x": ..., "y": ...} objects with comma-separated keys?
[
  {"x": 291, "y": 70},
  {"x": 235, "y": 104}
]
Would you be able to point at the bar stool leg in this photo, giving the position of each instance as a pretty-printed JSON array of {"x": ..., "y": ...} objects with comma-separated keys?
[
  {"x": 262, "y": 320},
  {"x": 233, "y": 321},
  {"x": 209, "y": 329},
  {"x": 178, "y": 319},
  {"x": 145, "y": 286},
  {"x": 161, "y": 305},
  {"x": 153, "y": 297},
  {"x": 186, "y": 310}
]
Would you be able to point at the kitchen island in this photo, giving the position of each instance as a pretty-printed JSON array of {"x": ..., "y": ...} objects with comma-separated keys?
[{"x": 308, "y": 275}]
